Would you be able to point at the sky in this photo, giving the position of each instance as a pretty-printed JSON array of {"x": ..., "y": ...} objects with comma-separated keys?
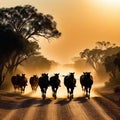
[{"x": 81, "y": 22}]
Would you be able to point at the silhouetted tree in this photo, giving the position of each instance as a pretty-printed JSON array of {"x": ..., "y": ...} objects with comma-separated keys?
[
  {"x": 25, "y": 20},
  {"x": 10, "y": 43},
  {"x": 117, "y": 60},
  {"x": 110, "y": 64},
  {"x": 37, "y": 62},
  {"x": 93, "y": 57},
  {"x": 22, "y": 23},
  {"x": 104, "y": 45},
  {"x": 98, "y": 54}
]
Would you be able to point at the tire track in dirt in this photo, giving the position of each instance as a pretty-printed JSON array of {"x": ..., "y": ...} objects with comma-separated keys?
[
  {"x": 30, "y": 114},
  {"x": 100, "y": 110},
  {"x": 52, "y": 112},
  {"x": 63, "y": 111},
  {"x": 18, "y": 112},
  {"x": 70, "y": 110},
  {"x": 109, "y": 107},
  {"x": 88, "y": 110},
  {"x": 41, "y": 112},
  {"x": 97, "y": 108},
  {"x": 78, "y": 111}
]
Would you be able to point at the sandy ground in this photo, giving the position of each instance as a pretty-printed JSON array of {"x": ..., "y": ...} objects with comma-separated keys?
[
  {"x": 14, "y": 106},
  {"x": 110, "y": 94}
]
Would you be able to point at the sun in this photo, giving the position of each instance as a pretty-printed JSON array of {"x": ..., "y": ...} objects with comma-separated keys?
[
  {"x": 110, "y": 2},
  {"x": 107, "y": 4}
]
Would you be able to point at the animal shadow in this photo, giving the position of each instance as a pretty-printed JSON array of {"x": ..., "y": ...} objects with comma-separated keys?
[
  {"x": 62, "y": 102},
  {"x": 81, "y": 99},
  {"x": 44, "y": 102}
]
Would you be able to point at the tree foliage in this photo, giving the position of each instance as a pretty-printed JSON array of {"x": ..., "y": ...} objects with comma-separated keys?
[
  {"x": 93, "y": 57},
  {"x": 26, "y": 21},
  {"x": 111, "y": 64},
  {"x": 117, "y": 60},
  {"x": 98, "y": 54},
  {"x": 19, "y": 27},
  {"x": 107, "y": 55}
]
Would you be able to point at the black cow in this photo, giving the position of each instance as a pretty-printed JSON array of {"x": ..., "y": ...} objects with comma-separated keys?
[
  {"x": 19, "y": 82},
  {"x": 43, "y": 82},
  {"x": 55, "y": 83},
  {"x": 86, "y": 81},
  {"x": 70, "y": 84},
  {"x": 22, "y": 83},
  {"x": 34, "y": 82},
  {"x": 15, "y": 81}
]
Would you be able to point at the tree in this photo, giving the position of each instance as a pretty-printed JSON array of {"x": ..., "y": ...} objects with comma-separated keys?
[
  {"x": 28, "y": 22},
  {"x": 104, "y": 45},
  {"x": 10, "y": 43},
  {"x": 117, "y": 60},
  {"x": 98, "y": 54},
  {"x": 22, "y": 24},
  {"x": 110, "y": 64},
  {"x": 93, "y": 57}
]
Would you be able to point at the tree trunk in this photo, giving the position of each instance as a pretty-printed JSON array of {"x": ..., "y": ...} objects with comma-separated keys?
[{"x": 1, "y": 74}]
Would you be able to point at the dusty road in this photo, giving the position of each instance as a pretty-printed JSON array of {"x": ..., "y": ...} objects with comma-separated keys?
[{"x": 16, "y": 107}]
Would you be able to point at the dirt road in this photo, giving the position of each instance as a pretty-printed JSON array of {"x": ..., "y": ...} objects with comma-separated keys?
[{"x": 16, "y": 107}]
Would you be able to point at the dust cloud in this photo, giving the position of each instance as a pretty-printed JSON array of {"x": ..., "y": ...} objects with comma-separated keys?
[{"x": 62, "y": 91}]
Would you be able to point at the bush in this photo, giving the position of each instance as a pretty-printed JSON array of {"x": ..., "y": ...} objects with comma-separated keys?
[{"x": 117, "y": 89}]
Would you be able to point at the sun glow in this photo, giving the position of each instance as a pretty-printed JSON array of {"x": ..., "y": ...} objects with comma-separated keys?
[
  {"x": 62, "y": 92},
  {"x": 109, "y": 2}
]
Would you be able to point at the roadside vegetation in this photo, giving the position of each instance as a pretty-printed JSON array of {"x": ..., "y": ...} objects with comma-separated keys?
[
  {"x": 20, "y": 29},
  {"x": 105, "y": 56}
]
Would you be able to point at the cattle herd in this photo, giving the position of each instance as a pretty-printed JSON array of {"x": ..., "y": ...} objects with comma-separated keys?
[{"x": 44, "y": 81}]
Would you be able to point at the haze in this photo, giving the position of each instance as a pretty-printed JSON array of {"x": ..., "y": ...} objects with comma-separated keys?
[{"x": 82, "y": 23}]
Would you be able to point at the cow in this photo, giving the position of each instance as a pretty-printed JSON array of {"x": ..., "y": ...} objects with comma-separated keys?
[
  {"x": 43, "y": 83},
  {"x": 70, "y": 84},
  {"x": 86, "y": 81},
  {"x": 55, "y": 83}
]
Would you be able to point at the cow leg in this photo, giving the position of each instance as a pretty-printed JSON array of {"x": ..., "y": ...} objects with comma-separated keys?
[
  {"x": 82, "y": 87},
  {"x": 56, "y": 91},
  {"x": 54, "y": 94},
  {"x": 68, "y": 91},
  {"x": 46, "y": 89},
  {"x": 53, "y": 91},
  {"x": 86, "y": 91},
  {"x": 42, "y": 90},
  {"x": 89, "y": 91},
  {"x": 71, "y": 92},
  {"x": 22, "y": 89},
  {"x": 15, "y": 88}
]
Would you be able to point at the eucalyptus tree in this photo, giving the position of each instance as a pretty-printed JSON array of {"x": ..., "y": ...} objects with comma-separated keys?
[
  {"x": 93, "y": 57},
  {"x": 23, "y": 25},
  {"x": 117, "y": 60},
  {"x": 98, "y": 54},
  {"x": 112, "y": 66},
  {"x": 25, "y": 20}
]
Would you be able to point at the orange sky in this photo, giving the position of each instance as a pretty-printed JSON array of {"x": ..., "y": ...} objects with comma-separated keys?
[{"x": 82, "y": 23}]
